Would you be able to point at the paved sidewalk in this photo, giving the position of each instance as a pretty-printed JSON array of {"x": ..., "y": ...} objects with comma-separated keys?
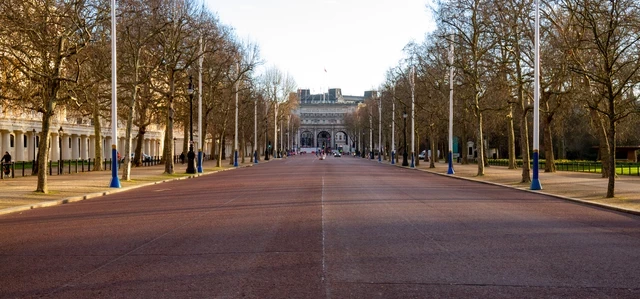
[
  {"x": 586, "y": 187},
  {"x": 17, "y": 194}
]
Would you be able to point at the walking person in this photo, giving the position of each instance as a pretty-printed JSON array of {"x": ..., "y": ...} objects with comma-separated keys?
[{"x": 6, "y": 163}]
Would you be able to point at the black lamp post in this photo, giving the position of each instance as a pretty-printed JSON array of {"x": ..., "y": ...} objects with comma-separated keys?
[
  {"x": 34, "y": 166},
  {"x": 175, "y": 153},
  {"x": 60, "y": 131},
  {"x": 404, "y": 154},
  {"x": 191, "y": 162}
]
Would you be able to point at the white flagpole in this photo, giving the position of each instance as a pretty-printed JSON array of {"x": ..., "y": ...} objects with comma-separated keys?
[
  {"x": 115, "y": 181},
  {"x": 535, "y": 182},
  {"x": 413, "y": 126},
  {"x": 450, "y": 170}
]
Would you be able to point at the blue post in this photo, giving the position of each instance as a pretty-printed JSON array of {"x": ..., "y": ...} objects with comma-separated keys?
[
  {"x": 393, "y": 157},
  {"x": 413, "y": 165},
  {"x": 450, "y": 170},
  {"x": 255, "y": 157},
  {"x": 200, "y": 161},
  {"x": 115, "y": 181},
  {"x": 235, "y": 158},
  {"x": 535, "y": 182},
  {"x": 379, "y": 156}
]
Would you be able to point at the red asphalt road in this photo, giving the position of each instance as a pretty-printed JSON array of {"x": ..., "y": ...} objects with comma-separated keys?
[{"x": 304, "y": 228}]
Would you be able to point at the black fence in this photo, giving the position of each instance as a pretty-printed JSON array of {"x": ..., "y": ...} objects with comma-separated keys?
[
  {"x": 622, "y": 168},
  {"x": 26, "y": 168}
]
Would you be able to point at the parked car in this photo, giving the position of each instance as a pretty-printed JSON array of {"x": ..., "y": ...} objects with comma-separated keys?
[
  {"x": 422, "y": 154},
  {"x": 146, "y": 158}
]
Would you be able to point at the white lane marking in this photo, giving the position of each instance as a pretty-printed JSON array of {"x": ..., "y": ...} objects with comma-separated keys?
[{"x": 324, "y": 255}]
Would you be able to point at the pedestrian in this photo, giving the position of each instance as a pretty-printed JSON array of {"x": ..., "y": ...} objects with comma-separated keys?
[
  {"x": 6, "y": 160},
  {"x": 182, "y": 157}
]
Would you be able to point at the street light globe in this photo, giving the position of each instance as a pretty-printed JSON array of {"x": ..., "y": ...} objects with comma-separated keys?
[{"x": 190, "y": 88}]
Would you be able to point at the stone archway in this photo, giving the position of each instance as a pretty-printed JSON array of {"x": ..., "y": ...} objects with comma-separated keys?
[
  {"x": 306, "y": 139},
  {"x": 341, "y": 140},
  {"x": 324, "y": 140}
]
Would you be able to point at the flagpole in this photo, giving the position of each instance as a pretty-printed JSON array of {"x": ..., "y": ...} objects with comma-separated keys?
[
  {"x": 413, "y": 126},
  {"x": 202, "y": 134},
  {"x": 535, "y": 182},
  {"x": 115, "y": 181},
  {"x": 450, "y": 170}
]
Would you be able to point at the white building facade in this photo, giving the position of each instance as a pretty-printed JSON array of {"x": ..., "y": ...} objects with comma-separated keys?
[{"x": 322, "y": 120}]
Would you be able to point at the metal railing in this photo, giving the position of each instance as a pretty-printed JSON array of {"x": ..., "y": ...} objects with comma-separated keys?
[
  {"x": 622, "y": 168},
  {"x": 26, "y": 168}
]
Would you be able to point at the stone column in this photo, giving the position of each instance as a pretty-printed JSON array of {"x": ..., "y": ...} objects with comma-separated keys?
[
  {"x": 18, "y": 143},
  {"x": 84, "y": 147},
  {"x": 6, "y": 141},
  {"x": 54, "y": 153},
  {"x": 66, "y": 149},
  {"x": 106, "y": 147},
  {"x": 75, "y": 147},
  {"x": 92, "y": 146},
  {"x": 30, "y": 146},
  {"x": 147, "y": 146}
]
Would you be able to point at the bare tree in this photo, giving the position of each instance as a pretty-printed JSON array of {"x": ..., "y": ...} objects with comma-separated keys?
[
  {"x": 606, "y": 56},
  {"x": 39, "y": 46}
]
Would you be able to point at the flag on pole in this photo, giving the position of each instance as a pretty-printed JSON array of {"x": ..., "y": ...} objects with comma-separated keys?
[{"x": 325, "y": 69}]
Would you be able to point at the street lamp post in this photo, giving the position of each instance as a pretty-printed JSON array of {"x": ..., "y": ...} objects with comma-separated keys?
[
  {"x": 191, "y": 168},
  {"x": 404, "y": 132},
  {"x": 175, "y": 152},
  {"x": 60, "y": 132},
  {"x": 34, "y": 166},
  {"x": 450, "y": 158}
]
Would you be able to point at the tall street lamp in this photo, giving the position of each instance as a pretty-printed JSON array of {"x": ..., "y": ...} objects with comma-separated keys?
[
  {"x": 191, "y": 167},
  {"x": 175, "y": 153},
  {"x": 34, "y": 166},
  {"x": 404, "y": 132},
  {"x": 60, "y": 132}
]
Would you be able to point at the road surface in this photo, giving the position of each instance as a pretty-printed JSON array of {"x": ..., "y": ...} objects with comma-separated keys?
[{"x": 305, "y": 228}]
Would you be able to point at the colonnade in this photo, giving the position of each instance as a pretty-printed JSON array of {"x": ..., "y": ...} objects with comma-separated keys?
[{"x": 23, "y": 145}]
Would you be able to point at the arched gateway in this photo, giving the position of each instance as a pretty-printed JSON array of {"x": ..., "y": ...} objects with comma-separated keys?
[{"x": 322, "y": 120}]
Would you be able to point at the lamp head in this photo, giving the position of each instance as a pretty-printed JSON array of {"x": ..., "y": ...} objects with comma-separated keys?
[
  {"x": 60, "y": 130},
  {"x": 190, "y": 88}
]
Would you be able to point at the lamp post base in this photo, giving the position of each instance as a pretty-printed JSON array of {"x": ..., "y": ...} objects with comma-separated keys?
[
  {"x": 191, "y": 161},
  {"x": 115, "y": 181},
  {"x": 450, "y": 170},
  {"x": 200, "y": 161}
]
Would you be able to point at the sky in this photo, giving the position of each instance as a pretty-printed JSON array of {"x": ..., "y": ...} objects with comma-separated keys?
[{"x": 355, "y": 41}]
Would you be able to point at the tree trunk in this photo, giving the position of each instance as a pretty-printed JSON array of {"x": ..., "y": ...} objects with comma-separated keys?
[
  {"x": 168, "y": 153},
  {"x": 611, "y": 136},
  {"x": 141, "y": 132},
  {"x": 524, "y": 146},
  {"x": 603, "y": 140},
  {"x": 550, "y": 164},
  {"x": 126, "y": 175},
  {"x": 416, "y": 159},
  {"x": 43, "y": 152},
  {"x": 432, "y": 146},
  {"x": 479, "y": 141},
  {"x": 97, "y": 131}
]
